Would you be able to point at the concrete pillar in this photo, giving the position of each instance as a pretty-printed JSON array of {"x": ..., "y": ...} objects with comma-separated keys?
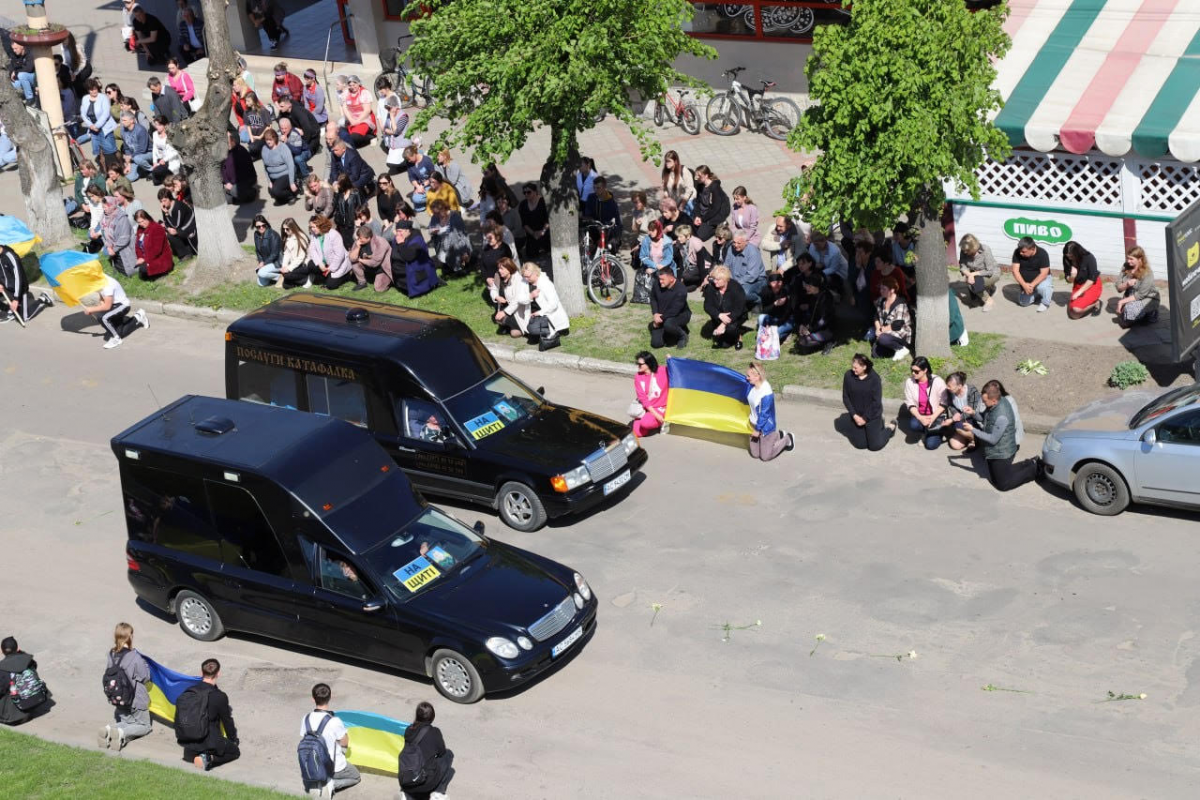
[
  {"x": 242, "y": 33},
  {"x": 39, "y": 47},
  {"x": 367, "y": 27}
]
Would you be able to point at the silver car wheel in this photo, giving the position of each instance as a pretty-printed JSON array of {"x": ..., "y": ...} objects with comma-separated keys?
[
  {"x": 453, "y": 677},
  {"x": 518, "y": 507},
  {"x": 195, "y": 616}
]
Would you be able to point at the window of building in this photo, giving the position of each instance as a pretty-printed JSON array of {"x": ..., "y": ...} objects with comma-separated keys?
[{"x": 761, "y": 19}]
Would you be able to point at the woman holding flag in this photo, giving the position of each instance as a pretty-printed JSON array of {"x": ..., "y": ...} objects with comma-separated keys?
[
  {"x": 131, "y": 721},
  {"x": 766, "y": 442}
]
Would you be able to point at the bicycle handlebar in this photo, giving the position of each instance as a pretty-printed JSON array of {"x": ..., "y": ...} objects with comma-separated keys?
[{"x": 733, "y": 73}]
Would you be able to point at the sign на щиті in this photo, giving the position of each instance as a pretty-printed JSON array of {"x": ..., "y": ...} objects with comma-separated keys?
[{"x": 1040, "y": 230}]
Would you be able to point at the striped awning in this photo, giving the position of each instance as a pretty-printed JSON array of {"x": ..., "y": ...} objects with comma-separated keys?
[{"x": 1110, "y": 75}]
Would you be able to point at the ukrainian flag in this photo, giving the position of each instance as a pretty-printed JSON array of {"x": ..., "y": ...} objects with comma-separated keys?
[
  {"x": 72, "y": 273},
  {"x": 375, "y": 741},
  {"x": 16, "y": 234},
  {"x": 704, "y": 395},
  {"x": 165, "y": 687}
]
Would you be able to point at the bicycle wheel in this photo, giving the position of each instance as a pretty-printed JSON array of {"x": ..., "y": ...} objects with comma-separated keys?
[
  {"x": 722, "y": 115},
  {"x": 659, "y": 117},
  {"x": 779, "y": 115},
  {"x": 689, "y": 120},
  {"x": 422, "y": 91},
  {"x": 607, "y": 290}
]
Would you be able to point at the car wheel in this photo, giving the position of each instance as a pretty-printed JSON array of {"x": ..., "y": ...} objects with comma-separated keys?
[
  {"x": 197, "y": 617},
  {"x": 520, "y": 507},
  {"x": 1101, "y": 489},
  {"x": 456, "y": 677}
]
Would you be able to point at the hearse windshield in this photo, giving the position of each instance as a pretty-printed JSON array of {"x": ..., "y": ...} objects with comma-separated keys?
[
  {"x": 423, "y": 553},
  {"x": 492, "y": 405}
]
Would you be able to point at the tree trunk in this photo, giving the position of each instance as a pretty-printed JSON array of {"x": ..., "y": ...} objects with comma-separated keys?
[
  {"x": 202, "y": 144},
  {"x": 933, "y": 286},
  {"x": 37, "y": 170},
  {"x": 562, "y": 201}
]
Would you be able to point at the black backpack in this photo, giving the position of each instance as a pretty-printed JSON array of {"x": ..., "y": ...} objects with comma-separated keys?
[
  {"x": 117, "y": 687},
  {"x": 191, "y": 715},
  {"x": 316, "y": 765},
  {"x": 414, "y": 768}
]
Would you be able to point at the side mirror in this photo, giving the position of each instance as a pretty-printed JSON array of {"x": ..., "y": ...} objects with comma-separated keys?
[
  {"x": 373, "y": 605},
  {"x": 541, "y": 390},
  {"x": 478, "y": 527},
  {"x": 1150, "y": 437}
]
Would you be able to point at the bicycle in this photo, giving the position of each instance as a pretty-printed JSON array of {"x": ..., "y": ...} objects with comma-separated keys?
[
  {"x": 604, "y": 274},
  {"x": 411, "y": 90},
  {"x": 739, "y": 107},
  {"x": 682, "y": 112}
]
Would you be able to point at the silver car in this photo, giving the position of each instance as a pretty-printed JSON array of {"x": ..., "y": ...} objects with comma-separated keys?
[{"x": 1137, "y": 447}]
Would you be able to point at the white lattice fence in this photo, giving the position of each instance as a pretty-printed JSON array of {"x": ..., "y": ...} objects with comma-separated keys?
[
  {"x": 1167, "y": 187},
  {"x": 1054, "y": 179}
]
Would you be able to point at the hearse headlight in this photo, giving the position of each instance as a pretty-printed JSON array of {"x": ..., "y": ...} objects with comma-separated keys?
[
  {"x": 524, "y": 642},
  {"x": 583, "y": 587},
  {"x": 631, "y": 444},
  {"x": 570, "y": 481},
  {"x": 578, "y": 600},
  {"x": 502, "y": 647}
]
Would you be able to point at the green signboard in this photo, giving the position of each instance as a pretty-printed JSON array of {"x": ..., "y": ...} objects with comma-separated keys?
[{"x": 1040, "y": 230}]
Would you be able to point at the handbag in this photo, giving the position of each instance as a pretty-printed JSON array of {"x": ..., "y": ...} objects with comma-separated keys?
[
  {"x": 635, "y": 410},
  {"x": 194, "y": 104},
  {"x": 641, "y": 287},
  {"x": 767, "y": 348}
]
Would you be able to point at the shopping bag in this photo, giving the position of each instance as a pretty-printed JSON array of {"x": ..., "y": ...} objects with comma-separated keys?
[{"x": 767, "y": 348}]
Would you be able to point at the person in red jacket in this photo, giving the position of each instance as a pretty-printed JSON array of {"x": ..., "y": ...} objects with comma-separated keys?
[
  {"x": 154, "y": 256},
  {"x": 286, "y": 83}
]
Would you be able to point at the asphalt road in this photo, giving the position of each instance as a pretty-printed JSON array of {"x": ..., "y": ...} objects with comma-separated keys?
[{"x": 883, "y": 553}]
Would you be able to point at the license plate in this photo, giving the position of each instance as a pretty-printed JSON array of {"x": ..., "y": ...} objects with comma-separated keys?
[
  {"x": 616, "y": 483},
  {"x": 567, "y": 642}
]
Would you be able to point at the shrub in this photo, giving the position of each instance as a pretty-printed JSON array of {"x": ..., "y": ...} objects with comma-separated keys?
[{"x": 1128, "y": 373}]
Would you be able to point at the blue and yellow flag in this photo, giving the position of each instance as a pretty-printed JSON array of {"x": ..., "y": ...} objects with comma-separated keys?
[
  {"x": 16, "y": 234},
  {"x": 72, "y": 273},
  {"x": 165, "y": 687},
  {"x": 375, "y": 741},
  {"x": 705, "y": 395}
]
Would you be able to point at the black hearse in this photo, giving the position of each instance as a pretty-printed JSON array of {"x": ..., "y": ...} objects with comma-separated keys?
[
  {"x": 436, "y": 399},
  {"x": 301, "y": 528}
]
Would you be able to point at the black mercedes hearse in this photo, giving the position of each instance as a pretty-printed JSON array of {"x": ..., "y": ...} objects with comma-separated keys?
[
  {"x": 301, "y": 528},
  {"x": 436, "y": 399}
]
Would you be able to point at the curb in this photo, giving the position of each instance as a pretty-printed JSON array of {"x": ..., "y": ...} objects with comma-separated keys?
[{"x": 826, "y": 398}]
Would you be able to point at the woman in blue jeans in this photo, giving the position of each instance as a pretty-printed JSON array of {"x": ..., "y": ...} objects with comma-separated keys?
[
  {"x": 925, "y": 397},
  {"x": 96, "y": 113}
]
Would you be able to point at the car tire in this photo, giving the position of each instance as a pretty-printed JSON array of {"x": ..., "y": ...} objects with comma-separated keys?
[
  {"x": 197, "y": 617},
  {"x": 1100, "y": 489},
  {"x": 455, "y": 677},
  {"x": 520, "y": 507}
]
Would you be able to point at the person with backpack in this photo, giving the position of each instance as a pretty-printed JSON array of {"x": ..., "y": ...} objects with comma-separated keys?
[
  {"x": 322, "y": 749},
  {"x": 23, "y": 694},
  {"x": 426, "y": 766},
  {"x": 204, "y": 721},
  {"x": 125, "y": 679}
]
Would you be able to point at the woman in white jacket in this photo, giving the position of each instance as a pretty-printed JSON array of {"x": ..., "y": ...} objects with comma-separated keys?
[
  {"x": 550, "y": 320},
  {"x": 165, "y": 157},
  {"x": 510, "y": 293}
]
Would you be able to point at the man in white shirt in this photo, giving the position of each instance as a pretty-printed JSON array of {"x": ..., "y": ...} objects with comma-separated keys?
[
  {"x": 112, "y": 304},
  {"x": 336, "y": 739}
]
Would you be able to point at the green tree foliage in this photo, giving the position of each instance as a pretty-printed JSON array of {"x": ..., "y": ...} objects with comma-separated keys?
[
  {"x": 903, "y": 96},
  {"x": 505, "y": 68}
]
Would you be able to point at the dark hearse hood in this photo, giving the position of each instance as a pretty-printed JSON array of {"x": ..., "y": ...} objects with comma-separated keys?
[
  {"x": 557, "y": 438},
  {"x": 497, "y": 593}
]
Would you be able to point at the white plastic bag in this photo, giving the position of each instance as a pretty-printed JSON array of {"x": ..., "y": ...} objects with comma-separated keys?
[{"x": 768, "y": 343}]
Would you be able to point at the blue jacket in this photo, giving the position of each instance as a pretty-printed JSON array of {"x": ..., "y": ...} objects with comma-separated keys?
[
  {"x": 136, "y": 140},
  {"x": 351, "y": 163},
  {"x": 745, "y": 267},
  {"x": 668, "y": 254},
  {"x": 766, "y": 414}
]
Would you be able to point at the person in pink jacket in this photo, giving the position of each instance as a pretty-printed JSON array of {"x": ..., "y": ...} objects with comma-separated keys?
[
  {"x": 181, "y": 82},
  {"x": 650, "y": 384}
]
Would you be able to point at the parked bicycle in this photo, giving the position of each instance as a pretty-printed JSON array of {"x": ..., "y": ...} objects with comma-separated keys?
[
  {"x": 739, "y": 107},
  {"x": 682, "y": 112},
  {"x": 603, "y": 273},
  {"x": 411, "y": 89}
]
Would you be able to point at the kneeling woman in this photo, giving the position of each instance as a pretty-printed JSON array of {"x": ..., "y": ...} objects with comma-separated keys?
[
  {"x": 766, "y": 442},
  {"x": 650, "y": 385},
  {"x": 725, "y": 304},
  {"x": 550, "y": 320},
  {"x": 1085, "y": 292},
  {"x": 510, "y": 293},
  {"x": 154, "y": 257}
]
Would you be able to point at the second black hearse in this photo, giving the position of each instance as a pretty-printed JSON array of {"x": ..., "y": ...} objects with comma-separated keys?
[
  {"x": 435, "y": 398},
  {"x": 301, "y": 528}
]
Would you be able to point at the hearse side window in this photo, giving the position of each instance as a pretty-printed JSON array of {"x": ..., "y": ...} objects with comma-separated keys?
[
  {"x": 422, "y": 420},
  {"x": 339, "y": 574},
  {"x": 170, "y": 510},
  {"x": 248, "y": 540},
  {"x": 334, "y": 397},
  {"x": 260, "y": 383}
]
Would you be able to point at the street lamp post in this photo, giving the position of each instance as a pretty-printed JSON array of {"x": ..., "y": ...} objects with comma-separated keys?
[{"x": 39, "y": 38}]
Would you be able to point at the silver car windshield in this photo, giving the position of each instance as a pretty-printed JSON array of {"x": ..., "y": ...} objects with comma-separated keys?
[{"x": 1172, "y": 400}]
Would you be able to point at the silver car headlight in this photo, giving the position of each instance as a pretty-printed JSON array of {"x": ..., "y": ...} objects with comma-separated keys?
[
  {"x": 570, "y": 481},
  {"x": 524, "y": 642},
  {"x": 502, "y": 647},
  {"x": 1052, "y": 445},
  {"x": 583, "y": 587},
  {"x": 631, "y": 444}
]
